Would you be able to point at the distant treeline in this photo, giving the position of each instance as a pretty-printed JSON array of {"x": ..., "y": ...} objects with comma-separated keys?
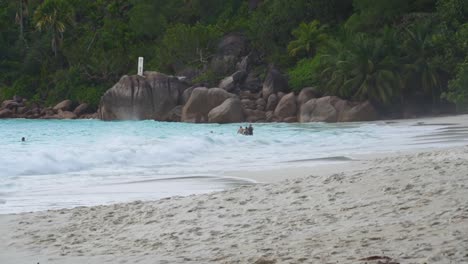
[{"x": 390, "y": 52}]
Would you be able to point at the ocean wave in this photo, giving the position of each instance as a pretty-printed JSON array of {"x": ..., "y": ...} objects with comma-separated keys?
[{"x": 68, "y": 147}]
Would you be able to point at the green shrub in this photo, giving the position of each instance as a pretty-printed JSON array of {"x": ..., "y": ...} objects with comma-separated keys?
[
  {"x": 24, "y": 87},
  {"x": 304, "y": 74},
  {"x": 458, "y": 88},
  {"x": 209, "y": 78},
  {"x": 188, "y": 45}
]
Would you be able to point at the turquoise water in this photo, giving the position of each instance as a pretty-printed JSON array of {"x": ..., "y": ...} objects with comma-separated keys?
[{"x": 88, "y": 162}]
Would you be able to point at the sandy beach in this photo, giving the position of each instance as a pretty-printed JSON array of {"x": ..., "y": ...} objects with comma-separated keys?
[{"x": 403, "y": 208}]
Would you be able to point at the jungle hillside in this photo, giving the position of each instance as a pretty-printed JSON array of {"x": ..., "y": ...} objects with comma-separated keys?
[{"x": 395, "y": 53}]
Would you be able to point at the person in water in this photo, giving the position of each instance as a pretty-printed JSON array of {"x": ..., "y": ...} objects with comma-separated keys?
[
  {"x": 23, "y": 139},
  {"x": 247, "y": 131}
]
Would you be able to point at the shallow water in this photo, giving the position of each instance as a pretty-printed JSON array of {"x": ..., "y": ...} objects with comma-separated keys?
[{"x": 89, "y": 162}]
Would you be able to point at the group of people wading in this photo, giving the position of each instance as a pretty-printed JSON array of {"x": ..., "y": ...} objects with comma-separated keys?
[{"x": 247, "y": 131}]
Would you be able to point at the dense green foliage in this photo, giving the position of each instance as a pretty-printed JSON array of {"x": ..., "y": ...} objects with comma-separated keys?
[{"x": 390, "y": 52}]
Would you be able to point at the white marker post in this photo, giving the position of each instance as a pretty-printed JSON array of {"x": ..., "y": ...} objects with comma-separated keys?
[{"x": 140, "y": 66}]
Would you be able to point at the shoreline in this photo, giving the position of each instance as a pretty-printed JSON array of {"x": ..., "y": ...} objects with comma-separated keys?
[
  {"x": 449, "y": 116},
  {"x": 408, "y": 207}
]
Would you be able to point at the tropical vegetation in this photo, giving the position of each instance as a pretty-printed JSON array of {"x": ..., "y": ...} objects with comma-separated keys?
[{"x": 393, "y": 53}]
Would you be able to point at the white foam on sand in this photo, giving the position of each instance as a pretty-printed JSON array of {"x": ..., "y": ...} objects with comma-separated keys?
[{"x": 410, "y": 208}]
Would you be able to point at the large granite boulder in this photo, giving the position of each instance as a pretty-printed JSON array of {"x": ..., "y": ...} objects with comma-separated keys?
[
  {"x": 65, "y": 115},
  {"x": 48, "y": 111},
  {"x": 239, "y": 77},
  {"x": 270, "y": 116},
  {"x": 252, "y": 83},
  {"x": 6, "y": 113},
  {"x": 227, "y": 84},
  {"x": 151, "y": 96},
  {"x": 201, "y": 102},
  {"x": 287, "y": 107},
  {"x": 248, "y": 104},
  {"x": 274, "y": 82},
  {"x": 65, "y": 105},
  {"x": 306, "y": 94},
  {"x": 175, "y": 114},
  {"x": 253, "y": 116},
  {"x": 249, "y": 95},
  {"x": 186, "y": 95},
  {"x": 318, "y": 110},
  {"x": 234, "y": 82},
  {"x": 334, "y": 109},
  {"x": 261, "y": 104},
  {"x": 247, "y": 63},
  {"x": 359, "y": 113},
  {"x": 230, "y": 111},
  {"x": 230, "y": 50},
  {"x": 11, "y": 104},
  {"x": 272, "y": 102},
  {"x": 292, "y": 119},
  {"x": 81, "y": 109},
  {"x": 233, "y": 44}
]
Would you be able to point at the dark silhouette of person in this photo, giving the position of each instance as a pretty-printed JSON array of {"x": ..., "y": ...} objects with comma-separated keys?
[
  {"x": 23, "y": 139},
  {"x": 246, "y": 131},
  {"x": 250, "y": 130}
]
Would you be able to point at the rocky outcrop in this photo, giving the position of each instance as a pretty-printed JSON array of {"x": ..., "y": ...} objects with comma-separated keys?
[
  {"x": 359, "y": 113},
  {"x": 186, "y": 95},
  {"x": 81, "y": 109},
  {"x": 272, "y": 102},
  {"x": 233, "y": 44},
  {"x": 201, "y": 102},
  {"x": 230, "y": 50},
  {"x": 334, "y": 109},
  {"x": 230, "y": 111},
  {"x": 261, "y": 104},
  {"x": 248, "y": 104},
  {"x": 19, "y": 107},
  {"x": 287, "y": 107},
  {"x": 65, "y": 105},
  {"x": 249, "y": 95},
  {"x": 291, "y": 119},
  {"x": 175, "y": 115},
  {"x": 227, "y": 84},
  {"x": 6, "y": 113},
  {"x": 317, "y": 111},
  {"x": 151, "y": 96},
  {"x": 274, "y": 82},
  {"x": 234, "y": 82},
  {"x": 306, "y": 94},
  {"x": 11, "y": 104},
  {"x": 65, "y": 115},
  {"x": 253, "y": 116}
]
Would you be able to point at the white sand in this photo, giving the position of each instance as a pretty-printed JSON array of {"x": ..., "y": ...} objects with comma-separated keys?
[{"x": 412, "y": 208}]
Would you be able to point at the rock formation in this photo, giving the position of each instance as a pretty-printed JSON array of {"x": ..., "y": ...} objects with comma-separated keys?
[
  {"x": 151, "y": 96},
  {"x": 201, "y": 102}
]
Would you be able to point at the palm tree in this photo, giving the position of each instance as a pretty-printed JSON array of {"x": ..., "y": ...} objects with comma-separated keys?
[
  {"x": 21, "y": 14},
  {"x": 308, "y": 38},
  {"x": 419, "y": 72},
  {"x": 364, "y": 70},
  {"x": 53, "y": 15}
]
